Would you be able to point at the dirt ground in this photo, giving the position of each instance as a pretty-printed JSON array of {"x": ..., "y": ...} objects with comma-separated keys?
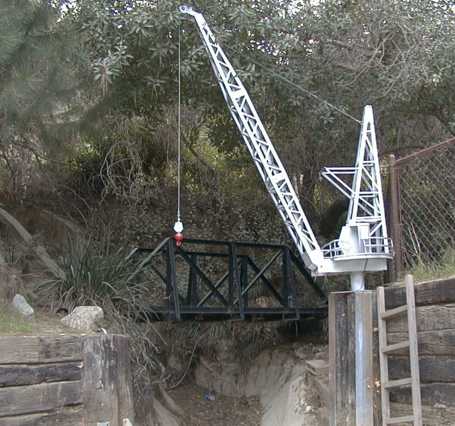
[{"x": 222, "y": 411}]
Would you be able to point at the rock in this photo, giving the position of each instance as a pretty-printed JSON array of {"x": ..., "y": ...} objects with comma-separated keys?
[
  {"x": 20, "y": 305},
  {"x": 84, "y": 318}
]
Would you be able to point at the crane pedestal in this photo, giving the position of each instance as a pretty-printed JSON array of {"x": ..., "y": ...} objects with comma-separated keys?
[
  {"x": 354, "y": 397},
  {"x": 357, "y": 281}
]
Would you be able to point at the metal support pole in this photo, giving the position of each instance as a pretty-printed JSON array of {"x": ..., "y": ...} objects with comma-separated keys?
[
  {"x": 357, "y": 281},
  {"x": 361, "y": 374},
  {"x": 363, "y": 358}
]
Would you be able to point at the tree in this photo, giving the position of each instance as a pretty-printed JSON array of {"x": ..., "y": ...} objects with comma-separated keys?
[{"x": 40, "y": 60}]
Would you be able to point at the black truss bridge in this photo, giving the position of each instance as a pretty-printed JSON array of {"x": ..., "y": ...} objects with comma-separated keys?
[{"x": 220, "y": 280}]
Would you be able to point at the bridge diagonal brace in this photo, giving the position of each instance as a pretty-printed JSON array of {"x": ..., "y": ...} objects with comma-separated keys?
[
  {"x": 261, "y": 272},
  {"x": 204, "y": 277},
  {"x": 217, "y": 285},
  {"x": 264, "y": 279}
]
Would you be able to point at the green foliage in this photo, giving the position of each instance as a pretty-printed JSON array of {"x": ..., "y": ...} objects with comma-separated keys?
[
  {"x": 96, "y": 273},
  {"x": 100, "y": 275},
  {"x": 90, "y": 72}
]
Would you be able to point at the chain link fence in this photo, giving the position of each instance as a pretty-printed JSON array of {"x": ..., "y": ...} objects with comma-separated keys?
[{"x": 422, "y": 206}]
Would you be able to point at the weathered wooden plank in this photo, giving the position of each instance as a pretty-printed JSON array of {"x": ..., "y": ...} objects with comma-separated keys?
[
  {"x": 69, "y": 416},
  {"x": 341, "y": 359},
  {"x": 434, "y": 416},
  {"x": 39, "y": 398},
  {"x": 19, "y": 375},
  {"x": 428, "y": 293},
  {"x": 429, "y": 342},
  {"x": 124, "y": 379},
  {"x": 432, "y": 369},
  {"x": 106, "y": 363},
  {"x": 429, "y": 318},
  {"x": 431, "y": 393},
  {"x": 40, "y": 349}
]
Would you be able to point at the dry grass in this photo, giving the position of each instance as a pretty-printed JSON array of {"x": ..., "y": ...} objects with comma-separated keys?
[
  {"x": 445, "y": 268},
  {"x": 13, "y": 323},
  {"x": 42, "y": 323}
]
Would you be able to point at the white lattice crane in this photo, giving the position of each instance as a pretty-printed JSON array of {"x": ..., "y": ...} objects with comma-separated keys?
[{"x": 363, "y": 245}]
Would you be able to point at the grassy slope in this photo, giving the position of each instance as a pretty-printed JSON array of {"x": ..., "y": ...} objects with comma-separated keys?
[{"x": 12, "y": 322}]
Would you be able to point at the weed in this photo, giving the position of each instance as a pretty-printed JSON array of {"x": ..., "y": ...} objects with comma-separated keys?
[
  {"x": 98, "y": 274},
  {"x": 12, "y": 322},
  {"x": 442, "y": 269}
]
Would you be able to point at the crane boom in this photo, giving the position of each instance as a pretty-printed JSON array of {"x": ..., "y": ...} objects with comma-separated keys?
[
  {"x": 260, "y": 147},
  {"x": 363, "y": 244}
]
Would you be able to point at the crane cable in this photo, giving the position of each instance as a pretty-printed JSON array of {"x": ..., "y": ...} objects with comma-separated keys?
[
  {"x": 178, "y": 226},
  {"x": 286, "y": 80},
  {"x": 236, "y": 49}
]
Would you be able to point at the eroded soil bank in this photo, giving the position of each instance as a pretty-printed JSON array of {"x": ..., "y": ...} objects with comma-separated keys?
[{"x": 278, "y": 387}]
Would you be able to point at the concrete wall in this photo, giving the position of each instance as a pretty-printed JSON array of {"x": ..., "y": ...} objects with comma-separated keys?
[{"x": 64, "y": 380}]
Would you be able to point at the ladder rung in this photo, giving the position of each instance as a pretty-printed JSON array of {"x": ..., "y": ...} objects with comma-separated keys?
[
  {"x": 394, "y": 312},
  {"x": 395, "y": 347},
  {"x": 397, "y": 383},
  {"x": 403, "y": 419}
]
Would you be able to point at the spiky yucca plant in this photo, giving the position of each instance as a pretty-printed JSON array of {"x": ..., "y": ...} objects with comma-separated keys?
[{"x": 97, "y": 274}]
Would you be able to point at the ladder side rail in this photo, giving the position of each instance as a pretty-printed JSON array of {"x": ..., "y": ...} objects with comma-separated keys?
[
  {"x": 413, "y": 351},
  {"x": 383, "y": 360},
  {"x": 261, "y": 149}
]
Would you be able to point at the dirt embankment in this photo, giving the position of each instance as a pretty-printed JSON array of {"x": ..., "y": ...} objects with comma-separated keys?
[{"x": 276, "y": 388}]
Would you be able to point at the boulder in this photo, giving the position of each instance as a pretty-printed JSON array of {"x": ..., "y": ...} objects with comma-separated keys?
[
  {"x": 21, "y": 306},
  {"x": 84, "y": 318}
]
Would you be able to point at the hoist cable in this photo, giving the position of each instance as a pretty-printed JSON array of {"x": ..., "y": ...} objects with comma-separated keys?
[
  {"x": 179, "y": 123},
  {"x": 295, "y": 85},
  {"x": 309, "y": 93}
]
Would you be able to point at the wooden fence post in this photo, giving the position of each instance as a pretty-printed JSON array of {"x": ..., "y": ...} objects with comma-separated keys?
[
  {"x": 106, "y": 380},
  {"x": 394, "y": 217}
]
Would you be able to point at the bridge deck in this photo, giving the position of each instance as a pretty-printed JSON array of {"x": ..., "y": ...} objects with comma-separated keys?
[{"x": 161, "y": 313}]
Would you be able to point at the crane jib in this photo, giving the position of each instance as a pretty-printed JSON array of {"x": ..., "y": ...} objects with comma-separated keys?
[{"x": 363, "y": 244}]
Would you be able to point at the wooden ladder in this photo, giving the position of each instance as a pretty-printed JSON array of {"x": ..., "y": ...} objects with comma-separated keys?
[{"x": 385, "y": 350}]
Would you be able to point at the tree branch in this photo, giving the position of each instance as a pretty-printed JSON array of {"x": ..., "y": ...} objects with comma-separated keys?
[{"x": 39, "y": 250}]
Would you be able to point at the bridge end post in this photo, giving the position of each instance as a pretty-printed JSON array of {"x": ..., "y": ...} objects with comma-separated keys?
[{"x": 172, "y": 291}]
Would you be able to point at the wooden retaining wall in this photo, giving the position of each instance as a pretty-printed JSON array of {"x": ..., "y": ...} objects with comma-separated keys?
[
  {"x": 64, "y": 380},
  {"x": 435, "y": 313}
]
